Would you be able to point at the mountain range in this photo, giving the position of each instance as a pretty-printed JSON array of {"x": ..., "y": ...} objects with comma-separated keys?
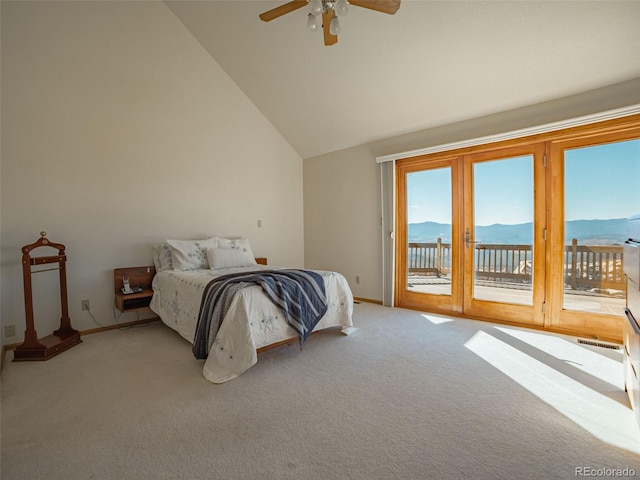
[{"x": 587, "y": 232}]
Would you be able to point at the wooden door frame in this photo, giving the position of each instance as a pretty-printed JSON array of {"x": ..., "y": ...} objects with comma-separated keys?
[
  {"x": 602, "y": 326},
  {"x": 530, "y": 315},
  {"x": 627, "y": 127},
  {"x": 448, "y": 304}
]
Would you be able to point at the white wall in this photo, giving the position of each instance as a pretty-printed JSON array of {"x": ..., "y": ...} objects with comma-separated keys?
[
  {"x": 342, "y": 218},
  {"x": 342, "y": 189},
  {"x": 118, "y": 130}
]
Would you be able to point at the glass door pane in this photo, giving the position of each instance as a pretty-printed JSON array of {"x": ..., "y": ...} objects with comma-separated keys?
[
  {"x": 428, "y": 270},
  {"x": 429, "y": 232},
  {"x": 600, "y": 191},
  {"x": 502, "y": 237}
]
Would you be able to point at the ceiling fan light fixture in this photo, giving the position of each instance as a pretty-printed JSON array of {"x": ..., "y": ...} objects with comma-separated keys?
[
  {"x": 313, "y": 21},
  {"x": 334, "y": 27},
  {"x": 316, "y": 7},
  {"x": 342, "y": 8},
  {"x": 325, "y": 13}
]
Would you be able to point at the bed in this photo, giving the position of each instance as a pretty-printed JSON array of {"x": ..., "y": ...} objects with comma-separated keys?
[{"x": 252, "y": 322}]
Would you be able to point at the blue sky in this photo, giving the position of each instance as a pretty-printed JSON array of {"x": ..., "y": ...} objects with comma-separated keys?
[
  {"x": 603, "y": 181},
  {"x": 600, "y": 182}
]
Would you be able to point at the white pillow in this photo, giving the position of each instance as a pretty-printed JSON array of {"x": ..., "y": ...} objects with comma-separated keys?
[
  {"x": 190, "y": 254},
  {"x": 162, "y": 257},
  {"x": 228, "y": 258},
  {"x": 237, "y": 243}
]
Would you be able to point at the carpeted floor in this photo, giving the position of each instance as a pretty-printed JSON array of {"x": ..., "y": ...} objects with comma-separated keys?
[{"x": 407, "y": 396}]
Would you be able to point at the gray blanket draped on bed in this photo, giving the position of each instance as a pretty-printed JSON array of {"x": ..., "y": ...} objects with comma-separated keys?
[{"x": 300, "y": 294}]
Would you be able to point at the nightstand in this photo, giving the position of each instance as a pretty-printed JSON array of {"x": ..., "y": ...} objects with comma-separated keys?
[{"x": 139, "y": 278}]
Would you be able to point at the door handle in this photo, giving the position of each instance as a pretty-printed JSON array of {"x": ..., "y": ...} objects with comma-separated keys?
[{"x": 467, "y": 238}]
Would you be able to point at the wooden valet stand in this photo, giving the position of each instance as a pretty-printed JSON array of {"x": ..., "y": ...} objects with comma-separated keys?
[{"x": 65, "y": 337}]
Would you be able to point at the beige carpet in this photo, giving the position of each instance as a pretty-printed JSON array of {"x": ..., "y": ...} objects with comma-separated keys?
[{"x": 407, "y": 396}]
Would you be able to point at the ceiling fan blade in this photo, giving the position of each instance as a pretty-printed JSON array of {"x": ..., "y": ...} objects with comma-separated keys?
[
  {"x": 329, "y": 38},
  {"x": 384, "y": 6},
  {"x": 282, "y": 10}
]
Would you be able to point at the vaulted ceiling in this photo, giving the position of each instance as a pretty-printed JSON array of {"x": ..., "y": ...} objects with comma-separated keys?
[{"x": 430, "y": 64}]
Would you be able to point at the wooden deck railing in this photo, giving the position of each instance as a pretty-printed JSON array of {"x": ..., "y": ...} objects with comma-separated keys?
[
  {"x": 593, "y": 266},
  {"x": 427, "y": 258},
  {"x": 586, "y": 266},
  {"x": 504, "y": 263}
]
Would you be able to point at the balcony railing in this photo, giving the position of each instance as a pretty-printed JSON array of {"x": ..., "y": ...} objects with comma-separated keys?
[
  {"x": 593, "y": 266},
  {"x": 585, "y": 266}
]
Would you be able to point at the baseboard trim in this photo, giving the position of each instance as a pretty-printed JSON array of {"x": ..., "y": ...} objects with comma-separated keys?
[
  {"x": 116, "y": 326},
  {"x": 119, "y": 325},
  {"x": 367, "y": 300}
]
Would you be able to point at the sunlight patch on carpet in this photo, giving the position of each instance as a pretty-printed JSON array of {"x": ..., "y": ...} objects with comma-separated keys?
[
  {"x": 598, "y": 414},
  {"x": 596, "y": 365},
  {"x": 437, "y": 320}
]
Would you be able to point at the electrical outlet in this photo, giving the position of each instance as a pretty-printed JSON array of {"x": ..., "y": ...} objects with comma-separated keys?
[
  {"x": 85, "y": 305},
  {"x": 357, "y": 278},
  {"x": 10, "y": 331}
]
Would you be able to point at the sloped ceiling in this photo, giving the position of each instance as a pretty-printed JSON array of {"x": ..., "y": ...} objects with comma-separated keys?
[{"x": 431, "y": 64}]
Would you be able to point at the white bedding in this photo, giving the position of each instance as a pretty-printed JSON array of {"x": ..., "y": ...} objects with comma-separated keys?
[{"x": 252, "y": 321}]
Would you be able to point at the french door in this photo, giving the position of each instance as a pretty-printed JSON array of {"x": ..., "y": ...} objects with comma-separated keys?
[
  {"x": 473, "y": 234},
  {"x": 429, "y": 263},
  {"x": 504, "y": 218},
  {"x": 525, "y": 232},
  {"x": 598, "y": 178}
]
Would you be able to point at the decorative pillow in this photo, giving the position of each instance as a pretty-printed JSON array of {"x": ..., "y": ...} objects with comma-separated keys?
[
  {"x": 162, "y": 257},
  {"x": 237, "y": 243},
  {"x": 228, "y": 257},
  {"x": 190, "y": 254}
]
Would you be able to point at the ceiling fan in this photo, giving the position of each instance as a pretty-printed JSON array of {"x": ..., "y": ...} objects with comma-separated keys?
[{"x": 326, "y": 13}]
